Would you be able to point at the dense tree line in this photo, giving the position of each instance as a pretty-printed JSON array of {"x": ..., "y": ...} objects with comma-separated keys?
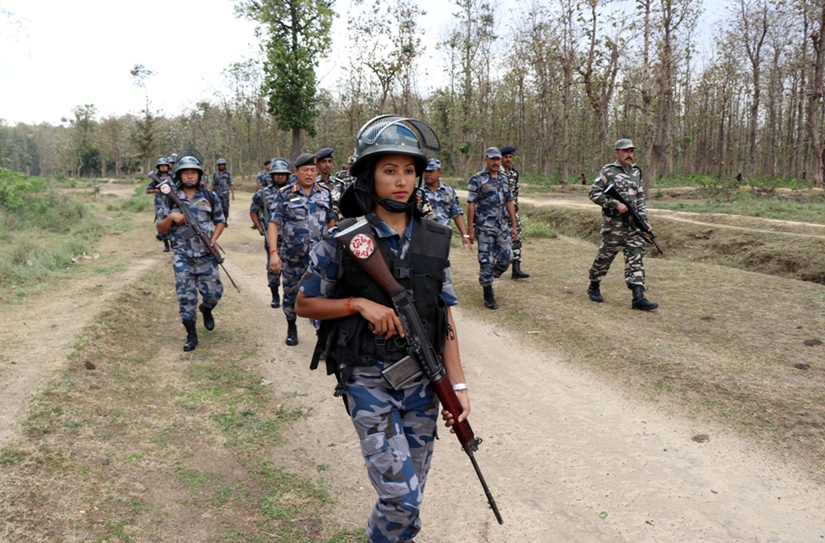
[{"x": 564, "y": 80}]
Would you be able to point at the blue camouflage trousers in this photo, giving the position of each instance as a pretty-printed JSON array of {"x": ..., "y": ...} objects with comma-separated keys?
[
  {"x": 634, "y": 252},
  {"x": 397, "y": 430},
  {"x": 495, "y": 253},
  {"x": 292, "y": 269},
  {"x": 224, "y": 198},
  {"x": 194, "y": 274},
  {"x": 158, "y": 199}
]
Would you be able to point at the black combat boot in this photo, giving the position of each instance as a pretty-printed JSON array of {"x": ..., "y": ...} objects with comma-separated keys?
[
  {"x": 639, "y": 301},
  {"x": 208, "y": 319},
  {"x": 489, "y": 299},
  {"x": 276, "y": 298},
  {"x": 291, "y": 333},
  {"x": 594, "y": 292},
  {"x": 166, "y": 247},
  {"x": 517, "y": 273},
  {"x": 191, "y": 336}
]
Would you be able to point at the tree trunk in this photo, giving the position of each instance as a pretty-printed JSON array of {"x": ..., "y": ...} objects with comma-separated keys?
[{"x": 296, "y": 144}]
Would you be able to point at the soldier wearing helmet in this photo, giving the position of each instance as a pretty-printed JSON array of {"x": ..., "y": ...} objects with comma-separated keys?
[
  {"x": 157, "y": 177},
  {"x": 195, "y": 269},
  {"x": 262, "y": 200},
  {"x": 222, "y": 186},
  {"x": 360, "y": 331},
  {"x": 298, "y": 218}
]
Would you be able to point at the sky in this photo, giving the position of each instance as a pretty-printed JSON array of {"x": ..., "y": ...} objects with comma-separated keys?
[{"x": 57, "y": 54}]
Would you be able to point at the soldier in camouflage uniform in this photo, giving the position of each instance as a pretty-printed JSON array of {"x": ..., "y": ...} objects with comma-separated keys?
[
  {"x": 335, "y": 186},
  {"x": 616, "y": 230},
  {"x": 222, "y": 185},
  {"x": 157, "y": 177},
  {"x": 263, "y": 179},
  {"x": 491, "y": 219},
  {"x": 298, "y": 218},
  {"x": 262, "y": 200},
  {"x": 195, "y": 269},
  {"x": 512, "y": 174},
  {"x": 443, "y": 201},
  {"x": 396, "y": 428}
]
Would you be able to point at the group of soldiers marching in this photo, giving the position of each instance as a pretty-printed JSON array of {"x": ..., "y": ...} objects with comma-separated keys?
[{"x": 295, "y": 206}]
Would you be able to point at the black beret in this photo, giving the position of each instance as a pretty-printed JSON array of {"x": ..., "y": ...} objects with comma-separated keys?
[
  {"x": 324, "y": 153},
  {"x": 507, "y": 150},
  {"x": 305, "y": 159}
]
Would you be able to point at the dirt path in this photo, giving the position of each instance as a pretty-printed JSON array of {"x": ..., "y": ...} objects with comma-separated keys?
[{"x": 567, "y": 457}]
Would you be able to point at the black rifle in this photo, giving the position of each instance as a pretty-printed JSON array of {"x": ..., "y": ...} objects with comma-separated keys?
[
  {"x": 641, "y": 225},
  {"x": 360, "y": 243},
  {"x": 262, "y": 218},
  {"x": 191, "y": 221}
]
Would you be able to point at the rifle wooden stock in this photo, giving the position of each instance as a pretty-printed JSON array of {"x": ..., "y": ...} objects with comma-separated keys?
[{"x": 359, "y": 242}]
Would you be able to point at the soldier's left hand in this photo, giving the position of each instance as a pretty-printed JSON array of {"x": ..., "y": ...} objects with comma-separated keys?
[
  {"x": 467, "y": 242},
  {"x": 464, "y": 400},
  {"x": 514, "y": 232},
  {"x": 177, "y": 218}
]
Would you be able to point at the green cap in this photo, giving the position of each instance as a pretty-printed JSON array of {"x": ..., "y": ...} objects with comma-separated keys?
[
  {"x": 306, "y": 159},
  {"x": 624, "y": 144}
]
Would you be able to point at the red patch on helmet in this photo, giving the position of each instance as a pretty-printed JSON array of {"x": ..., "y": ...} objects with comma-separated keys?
[{"x": 361, "y": 246}]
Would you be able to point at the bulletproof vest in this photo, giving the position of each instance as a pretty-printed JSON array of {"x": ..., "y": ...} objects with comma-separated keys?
[{"x": 349, "y": 341}]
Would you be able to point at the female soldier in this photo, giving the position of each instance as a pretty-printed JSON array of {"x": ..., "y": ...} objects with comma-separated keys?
[{"x": 361, "y": 334}]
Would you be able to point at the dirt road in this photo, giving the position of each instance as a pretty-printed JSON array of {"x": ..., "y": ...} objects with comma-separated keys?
[{"x": 567, "y": 456}]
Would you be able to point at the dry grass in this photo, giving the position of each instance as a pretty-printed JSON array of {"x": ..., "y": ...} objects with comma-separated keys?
[
  {"x": 158, "y": 445},
  {"x": 726, "y": 344}
]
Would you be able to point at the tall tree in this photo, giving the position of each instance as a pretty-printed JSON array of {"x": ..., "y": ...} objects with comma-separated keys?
[
  {"x": 297, "y": 34},
  {"x": 144, "y": 134}
]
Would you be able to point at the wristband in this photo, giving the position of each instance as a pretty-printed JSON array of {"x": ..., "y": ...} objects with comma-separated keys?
[
  {"x": 273, "y": 251},
  {"x": 466, "y": 236},
  {"x": 349, "y": 307},
  {"x": 460, "y": 386}
]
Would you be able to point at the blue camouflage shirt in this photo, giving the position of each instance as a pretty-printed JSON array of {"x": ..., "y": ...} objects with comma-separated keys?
[
  {"x": 269, "y": 193},
  {"x": 263, "y": 178},
  {"x": 490, "y": 196},
  {"x": 444, "y": 202},
  {"x": 325, "y": 264},
  {"x": 301, "y": 218},
  {"x": 221, "y": 181},
  {"x": 183, "y": 240}
]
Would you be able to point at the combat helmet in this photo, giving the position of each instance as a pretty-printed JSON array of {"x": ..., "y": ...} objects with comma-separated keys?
[
  {"x": 386, "y": 134},
  {"x": 162, "y": 160},
  {"x": 221, "y": 161},
  {"x": 279, "y": 165},
  {"x": 188, "y": 163}
]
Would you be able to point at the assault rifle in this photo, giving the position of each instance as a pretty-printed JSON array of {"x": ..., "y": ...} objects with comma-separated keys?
[
  {"x": 360, "y": 244},
  {"x": 262, "y": 214},
  {"x": 194, "y": 228},
  {"x": 641, "y": 225}
]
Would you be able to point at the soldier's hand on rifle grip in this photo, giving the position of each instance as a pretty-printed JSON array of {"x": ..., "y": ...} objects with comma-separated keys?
[
  {"x": 177, "y": 217},
  {"x": 621, "y": 208},
  {"x": 383, "y": 320},
  {"x": 464, "y": 399}
]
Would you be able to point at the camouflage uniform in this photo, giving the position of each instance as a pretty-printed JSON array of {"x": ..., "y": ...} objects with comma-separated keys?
[
  {"x": 302, "y": 222},
  {"x": 268, "y": 192},
  {"x": 336, "y": 188},
  {"x": 195, "y": 269},
  {"x": 263, "y": 178},
  {"x": 396, "y": 428},
  {"x": 221, "y": 181},
  {"x": 616, "y": 233},
  {"x": 492, "y": 224},
  {"x": 443, "y": 202},
  {"x": 513, "y": 180}
]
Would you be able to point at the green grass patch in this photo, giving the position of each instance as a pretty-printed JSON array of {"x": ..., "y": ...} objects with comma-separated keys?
[{"x": 751, "y": 206}]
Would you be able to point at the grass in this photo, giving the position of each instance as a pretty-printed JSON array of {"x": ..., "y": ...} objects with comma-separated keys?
[
  {"x": 767, "y": 208},
  {"x": 158, "y": 445}
]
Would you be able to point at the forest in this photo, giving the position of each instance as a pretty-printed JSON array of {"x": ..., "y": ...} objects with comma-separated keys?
[{"x": 561, "y": 83}]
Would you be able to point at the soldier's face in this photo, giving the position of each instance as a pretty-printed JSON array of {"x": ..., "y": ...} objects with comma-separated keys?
[
  {"x": 394, "y": 177},
  {"x": 431, "y": 177},
  {"x": 493, "y": 164},
  {"x": 221, "y": 167},
  {"x": 267, "y": 167},
  {"x": 325, "y": 165},
  {"x": 279, "y": 178},
  {"x": 163, "y": 168},
  {"x": 625, "y": 156},
  {"x": 306, "y": 175},
  {"x": 507, "y": 161},
  {"x": 189, "y": 177}
]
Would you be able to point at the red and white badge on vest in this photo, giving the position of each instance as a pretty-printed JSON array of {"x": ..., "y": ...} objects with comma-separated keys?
[{"x": 361, "y": 246}]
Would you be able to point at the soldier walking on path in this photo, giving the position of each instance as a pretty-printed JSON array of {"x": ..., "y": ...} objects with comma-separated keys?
[
  {"x": 263, "y": 178},
  {"x": 262, "y": 200},
  {"x": 512, "y": 174},
  {"x": 222, "y": 186},
  {"x": 195, "y": 269},
  {"x": 335, "y": 186},
  {"x": 491, "y": 219},
  {"x": 300, "y": 215},
  {"x": 616, "y": 231},
  {"x": 443, "y": 201},
  {"x": 157, "y": 177}
]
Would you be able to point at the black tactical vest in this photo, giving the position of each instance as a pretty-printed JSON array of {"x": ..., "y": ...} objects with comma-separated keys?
[{"x": 348, "y": 340}]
